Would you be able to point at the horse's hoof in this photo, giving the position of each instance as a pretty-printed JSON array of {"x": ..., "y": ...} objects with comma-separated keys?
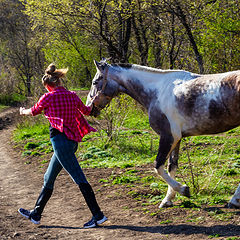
[
  {"x": 166, "y": 204},
  {"x": 186, "y": 191},
  {"x": 233, "y": 206}
]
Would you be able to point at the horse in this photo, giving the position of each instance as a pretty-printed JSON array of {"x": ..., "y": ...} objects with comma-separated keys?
[{"x": 179, "y": 104}]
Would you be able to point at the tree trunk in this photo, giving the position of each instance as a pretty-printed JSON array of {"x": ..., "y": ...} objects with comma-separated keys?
[{"x": 182, "y": 17}]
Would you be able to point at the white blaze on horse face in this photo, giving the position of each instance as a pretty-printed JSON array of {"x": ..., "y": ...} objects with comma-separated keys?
[
  {"x": 89, "y": 100},
  {"x": 93, "y": 90}
]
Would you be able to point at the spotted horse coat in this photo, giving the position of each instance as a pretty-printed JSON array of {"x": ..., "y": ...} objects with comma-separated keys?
[{"x": 179, "y": 104}]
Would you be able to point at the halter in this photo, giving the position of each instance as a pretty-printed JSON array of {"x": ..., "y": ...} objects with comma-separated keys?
[
  {"x": 101, "y": 96},
  {"x": 104, "y": 79}
]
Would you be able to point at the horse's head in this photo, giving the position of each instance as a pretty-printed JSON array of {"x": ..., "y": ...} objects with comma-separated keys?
[{"x": 103, "y": 88}]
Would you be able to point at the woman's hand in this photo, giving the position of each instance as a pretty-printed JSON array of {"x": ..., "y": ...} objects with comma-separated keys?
[
  {"x": 91, "y": 106},
  {"x": 24, "y": 111},
  {"x": 21, "y": 110}
]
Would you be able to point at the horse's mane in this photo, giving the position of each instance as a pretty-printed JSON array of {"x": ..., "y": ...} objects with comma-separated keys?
[
  {"x": 144, "y": 68},
  {"x": 122, "y": 65}
]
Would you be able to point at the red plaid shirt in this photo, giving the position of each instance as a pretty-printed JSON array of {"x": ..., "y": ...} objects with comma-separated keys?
[{"x": 64, "y": 111}]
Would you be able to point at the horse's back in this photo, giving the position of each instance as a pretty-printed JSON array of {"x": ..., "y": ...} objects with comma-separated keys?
[{"x": 209, "y": 104}]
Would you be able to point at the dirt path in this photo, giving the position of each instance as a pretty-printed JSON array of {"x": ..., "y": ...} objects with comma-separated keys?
[{"x": 66, "y": 211}]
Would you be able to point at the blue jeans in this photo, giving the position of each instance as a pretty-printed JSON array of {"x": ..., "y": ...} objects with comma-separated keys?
[{"x": 63, "y": 157}]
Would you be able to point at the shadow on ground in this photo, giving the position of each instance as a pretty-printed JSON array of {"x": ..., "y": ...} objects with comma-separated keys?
[{"x": 180, "y": 229}]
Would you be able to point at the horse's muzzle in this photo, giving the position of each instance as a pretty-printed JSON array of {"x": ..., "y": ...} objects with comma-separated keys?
[
  {"x": 100, "y": 101},
  {"x": 95, "y": 111}
]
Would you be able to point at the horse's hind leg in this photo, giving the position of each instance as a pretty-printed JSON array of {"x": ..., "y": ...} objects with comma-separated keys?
[
  {"x": 235, "y": 201},
  {"x": 172, "y": 168}
]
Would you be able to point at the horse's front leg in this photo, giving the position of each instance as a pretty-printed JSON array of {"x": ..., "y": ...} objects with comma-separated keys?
[
  {"x": 167, "y": 144},
  {"x": 172, "y": 169},
  {"x": 170, "y": 135}
]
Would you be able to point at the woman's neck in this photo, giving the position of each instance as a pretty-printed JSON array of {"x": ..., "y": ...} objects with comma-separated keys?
[{"x": 51, "y": 88}]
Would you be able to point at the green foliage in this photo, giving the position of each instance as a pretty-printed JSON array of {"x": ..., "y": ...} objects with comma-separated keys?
[
  {"x": 77, "y": 32},
  {"x": 214, "y": 236},
  {"x": 163, "y": 34},
  {"x": 123, "y": 112},
  {"x": 232, "y": 238},
  {"x": 3, "y": 107},
  {"x": 231, "y": 172},
  {"x": 124, "y": 179},
  {"x": 188, "y": 204},
  {"x": 11, "y": 99},
  {"x": 31, "y": 145},
  {"x": 34, "y": 135},
  {"x": 221, "y": 29},
  {"x": 78, "y": 58},
  {"x": 35, "y": 153},
  {"x": 154, "y": 185},
  {"x": 32, "y": 130},
  {"x": 166, "y": 221},
  {"x": 155, "y": 199},
  {"x": 26, "y": 153},
  {"x": 94, "y": 152}
]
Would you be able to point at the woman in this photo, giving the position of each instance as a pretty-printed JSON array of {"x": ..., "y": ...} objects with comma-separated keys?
[{"x": 64, "y": 111}]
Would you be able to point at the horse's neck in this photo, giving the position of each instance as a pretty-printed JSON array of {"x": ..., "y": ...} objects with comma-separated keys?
[
  {"x": 145, "y": 86},
  {"x": 138, "y": 85}
]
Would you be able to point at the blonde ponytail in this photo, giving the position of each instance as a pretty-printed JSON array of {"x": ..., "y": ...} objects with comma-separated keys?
[{"x": 52, "y": 75}]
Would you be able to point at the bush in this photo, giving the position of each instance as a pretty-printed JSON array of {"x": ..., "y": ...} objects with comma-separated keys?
[
  {"x": 123, "y": 112},
  {"x": 11, "y": 99}
]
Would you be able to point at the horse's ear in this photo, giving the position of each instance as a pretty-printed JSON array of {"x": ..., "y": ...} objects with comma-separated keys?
[{"x": 97, "y": 64}]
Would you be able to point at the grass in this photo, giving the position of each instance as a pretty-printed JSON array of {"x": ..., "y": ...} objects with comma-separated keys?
[
  {"x": 8, "y": 100},
  {"x": 209, "y": 165},
  {"x": 79, "y": 89},
  {"x": 3, "y": 107},
  {"x": 11, "y": 99},
  {"x": 33, "y": 137}
]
